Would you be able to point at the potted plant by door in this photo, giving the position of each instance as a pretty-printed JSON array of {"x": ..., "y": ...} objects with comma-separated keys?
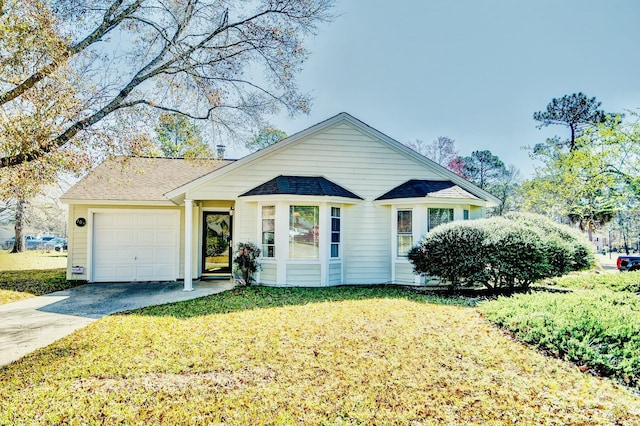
[{"x": 245, "y": 263}]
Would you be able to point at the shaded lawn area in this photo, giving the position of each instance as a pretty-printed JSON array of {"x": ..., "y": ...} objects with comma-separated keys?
[
  {"x": 304, "y": 356},
  {"x": 32, "y": 273}
]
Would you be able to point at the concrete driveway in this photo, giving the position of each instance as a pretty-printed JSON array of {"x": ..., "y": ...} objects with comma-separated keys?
[{"x": 33, "y": 323}]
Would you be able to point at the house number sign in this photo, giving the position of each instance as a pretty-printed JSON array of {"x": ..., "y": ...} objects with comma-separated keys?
[{"x": 81, "y": 221}]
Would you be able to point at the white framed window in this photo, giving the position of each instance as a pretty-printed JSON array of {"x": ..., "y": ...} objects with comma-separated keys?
[
  {"x": 438, "y": 216},
  {"x": 404, "y": 230},
  {"x": 465, "y": 214},
  {"x": 268, "y": 231},
  {"x": 304, "y": 232},
  {"x": 335, "y": 232}
]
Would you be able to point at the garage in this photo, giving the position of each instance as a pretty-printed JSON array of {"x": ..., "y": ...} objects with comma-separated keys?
[{"x": 135, "y": 245}]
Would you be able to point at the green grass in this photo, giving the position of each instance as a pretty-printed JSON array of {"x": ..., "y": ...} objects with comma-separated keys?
[
  {"x": 29, "y": 274},
  {"x": 598, "y": 330},
  {"x": 304, "y": 356},
  {"x": 625, "y": 281},
  {"x": 32, "y": 259}
]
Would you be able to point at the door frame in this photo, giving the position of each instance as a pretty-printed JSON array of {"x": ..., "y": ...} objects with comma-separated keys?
[{"x": 203, "y": 237}]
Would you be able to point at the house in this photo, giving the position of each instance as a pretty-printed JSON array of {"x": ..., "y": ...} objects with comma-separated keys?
[{"x": 337, "y": 203}]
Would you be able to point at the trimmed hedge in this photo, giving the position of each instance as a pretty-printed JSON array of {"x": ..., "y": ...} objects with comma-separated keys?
[
  {"x": 599, "y": 330},
  {"x": 501, "y": 252},
  {"x": 627, "y": 281}
]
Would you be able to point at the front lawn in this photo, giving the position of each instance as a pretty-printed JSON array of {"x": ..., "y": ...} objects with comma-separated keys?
[
  {"x": 295, "y": 356},
  {"x": 32, "y": 273}
]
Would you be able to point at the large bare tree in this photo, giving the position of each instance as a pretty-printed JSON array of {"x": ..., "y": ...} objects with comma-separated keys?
[
  {"x": 73, "y": 73},
  {"x": 229, "y": 61}
]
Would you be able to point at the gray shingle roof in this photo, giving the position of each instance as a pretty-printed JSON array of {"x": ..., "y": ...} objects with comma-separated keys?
[
  {"x": 301, "y": 185},
  {"x": 427, "y": 188},
  {"x": 139, "y": 179}
]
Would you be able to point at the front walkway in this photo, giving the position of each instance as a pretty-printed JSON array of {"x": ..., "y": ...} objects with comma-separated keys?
[{"x": 33, "y": 323}]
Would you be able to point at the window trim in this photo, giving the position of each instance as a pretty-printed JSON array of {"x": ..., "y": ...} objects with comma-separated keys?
[
  {"x": 317, "y": 238},
  {"x": 398, "y": 233},
  {"x": 264, "y": 245},
  {"x": 332, "y": 232}
]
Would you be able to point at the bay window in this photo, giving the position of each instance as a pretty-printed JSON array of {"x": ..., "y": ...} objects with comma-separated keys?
[
  {"x": 304, "y": 231},
  {"x": 439, "y": 216}
]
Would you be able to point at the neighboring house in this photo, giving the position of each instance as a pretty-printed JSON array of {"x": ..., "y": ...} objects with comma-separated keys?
[{"x": 338, "y": 203}]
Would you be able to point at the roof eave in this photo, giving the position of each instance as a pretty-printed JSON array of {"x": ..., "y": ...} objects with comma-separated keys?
[
  {"x": 161, "y": 203},
  {"x": 434, "y": 200},
  {"x": 300, "y": 198}
]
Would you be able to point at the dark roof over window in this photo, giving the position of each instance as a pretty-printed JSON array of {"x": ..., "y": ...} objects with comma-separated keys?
[
  {"x": 427, "y": 188},
  {"x": 301, "y": 185}
]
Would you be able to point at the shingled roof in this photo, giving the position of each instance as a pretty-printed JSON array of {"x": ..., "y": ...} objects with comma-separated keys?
[
  {"x": 301, "y": 185},
  {"x": 139, "y": 179},
  {"x": 427, "y": 188}
]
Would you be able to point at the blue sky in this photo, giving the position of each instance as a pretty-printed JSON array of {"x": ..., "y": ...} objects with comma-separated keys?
[{"x": 472, "y": 70}]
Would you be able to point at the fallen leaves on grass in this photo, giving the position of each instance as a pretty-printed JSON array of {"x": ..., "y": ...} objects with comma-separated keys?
[{"x": 359, "y": 360}]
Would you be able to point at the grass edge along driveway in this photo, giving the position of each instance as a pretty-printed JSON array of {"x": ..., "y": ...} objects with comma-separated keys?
[{"x": 304, "y": 356}]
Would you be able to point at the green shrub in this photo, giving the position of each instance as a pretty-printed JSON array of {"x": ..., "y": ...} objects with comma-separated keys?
[
  {"x": 596, "y": 329},
  {"x": 500, "y": 252},
  {"x": 568, "y": 249},
  {"x": 463, "y": 266},
  {"x": 628, "y": 281}
]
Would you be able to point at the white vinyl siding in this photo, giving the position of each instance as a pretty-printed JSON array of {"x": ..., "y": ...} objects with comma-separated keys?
[
  {"x": 268, "y": 274},
  {"x": 335, "y": 272},
  {"x": 404, "y": 274},
  {"x": 365, "y": 166},
  {"x": 303, "y": 274}
]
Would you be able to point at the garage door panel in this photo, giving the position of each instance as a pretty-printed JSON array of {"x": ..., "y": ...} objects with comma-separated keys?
[
  {"x": 145, "y": 237},
  {"x": 125, "y": 220},
  {"x": 164, "y": 221},
  {"x": 135, "y": 246}
]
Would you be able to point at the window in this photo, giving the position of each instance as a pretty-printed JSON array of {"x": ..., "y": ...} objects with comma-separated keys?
[
  {"x": 465, "y": 214},
  {"x": 439, "y": 216},
  {"x": 303, "y": 232},
  {"x": 405, "y": 232},
  {"x": 335, "y": 231},
  {"x": 268, "y": 231}
]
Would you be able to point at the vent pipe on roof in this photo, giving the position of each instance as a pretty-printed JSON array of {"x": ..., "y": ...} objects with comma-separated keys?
[{"x": 220, "y": 151}]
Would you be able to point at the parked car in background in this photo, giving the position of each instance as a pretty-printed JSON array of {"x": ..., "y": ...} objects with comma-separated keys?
[
  {"x": 628, "y": 263},
  {"x": 59, "y": 244}
]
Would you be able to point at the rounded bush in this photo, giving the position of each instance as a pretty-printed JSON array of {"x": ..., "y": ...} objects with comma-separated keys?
[{"x": 501, "y": 252}]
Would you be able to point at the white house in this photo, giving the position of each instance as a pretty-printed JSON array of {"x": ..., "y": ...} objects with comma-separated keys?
[{"x": 338, "y": 203}]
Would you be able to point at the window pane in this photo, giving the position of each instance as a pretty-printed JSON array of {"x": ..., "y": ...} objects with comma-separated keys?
[
  {"x": 465, "y": 214},
  {"x": 268, "y": 231},
  {"x": 404, "y": 221},
  {"x": 335, "y": 237},
  {"x": 335, "y": 250},
  {"x": 268, "y": 238},
  {"x": 439, "y": 216},
  {"x": 405, "y": 242},
  {"x": 335, "y": 211},
  {"x": 303, "y": 232},
  {"x": 335, "y": 224}
]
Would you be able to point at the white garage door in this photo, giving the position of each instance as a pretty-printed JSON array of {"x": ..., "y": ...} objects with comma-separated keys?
[{"x": 135, "y": 245}]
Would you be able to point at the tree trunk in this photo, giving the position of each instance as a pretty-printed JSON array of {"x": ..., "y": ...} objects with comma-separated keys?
[{"x": 18, "y": 245}]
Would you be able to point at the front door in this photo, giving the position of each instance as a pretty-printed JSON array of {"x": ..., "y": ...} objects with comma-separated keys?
[{"x": 217, "y": 244}]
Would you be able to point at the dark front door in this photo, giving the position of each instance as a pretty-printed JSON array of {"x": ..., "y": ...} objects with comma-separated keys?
[{"x": 217, "y": 244}]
